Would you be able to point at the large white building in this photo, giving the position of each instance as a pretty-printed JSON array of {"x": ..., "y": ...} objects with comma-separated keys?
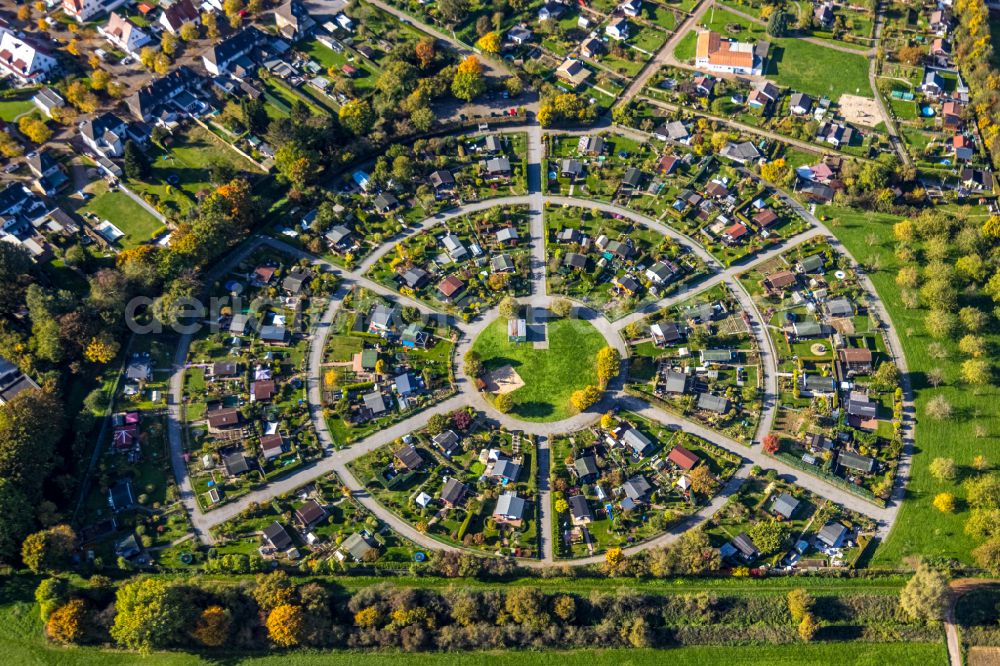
[
  {"x": 728, "y": 56},
  {"x": 26, "y": 61}
]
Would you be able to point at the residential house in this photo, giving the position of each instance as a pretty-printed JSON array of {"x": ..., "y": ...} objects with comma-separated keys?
[
  {"x": 295, "y": 280},
  {"x": 951, "y": 115},
  {"x": 384, "y": 319},
  {"x": 13, "y": 381},
  {"x": 222, "y": 419},
  {"x": 662, "y": 272},
  {"x": 832, "y": 534},
  {"x": 551, "y": 10},
  {"x": 962, "y": 148},
  {"x": 811, "y": 384},
  {"x": 638, "y": 442},
  {"x": 415, "y": 277},
  {"x": 173, "y": 17},
  {"x": 785, "y": 506},
  {"x": 276, "y": 537},
  {"x": 310, "y": 514},
  {"x": 715, "y": 54},
  {"x": 932, "y": 84},
  {"x": 49, "y": 176},
  {"x": 162, "y": 99},
  {"x": 359, "y": 547},
  {"x": 448, "y": 441},
  {"x": 636, "y": 490},
  {"x": 24, "y": 59},
  {"x": 717, "y": 404},
  {"x": 941, "y": 48},
  {"x": 414, "y": 336},
  {"x": 405, "y": 384},
  {"x": 800, "y": 104},
  {"x": 235, "y": 463},
  {"x": 618, "y": 28},
  {"x": 741, "y": 153},
  {"x": 744, "y": 546},
  {"x": 506, "y": 470},
  {"x": 339, "y": 238},
  {"x": 374, "y": 403},
  {"x": 120, "y": 496},
  {"x": 855, "y": 360},
  {"x": 293, "y": 20},
  {"x": 976, "y": 180},
  {"x": 823, "y": 14},
  {"x": 271, "y": 446},
  {"x": 498, "y": 168},
  {"x": 85, "y": 10},
  {"x": 839, "y": 307},
  {"x": 502, "y": 263},
  {"x": 407, "y": 458},
  {"x": 124, "y": 34},
  {"x": 803, "y": 330},
  {"x": 442, "y": 181},
  {"x": 263, "y": 390},
  {"x": 575, "y": 261},
  {"x": 510, "y": 510},
  {"x": 105, "y": 135},
  {"x": 570, "y": 168},
  {"x": 631, "y": 7},
  {"x": 385, "y": 203},
  {"x": 632, "y": 179},
  {"x": 224, "y": 56},
  {"x": 835, "y": 133},
  {"x": 763, "y": 95},
  {"x": 450, "y": 288},
  {"x": 586, "y": 468},
  {"x": 675, "y": 382},
  {"x": 665, "y": 333},
  {"x": 779, "y": 281},
  {"x": 579, "y": 512},
  {"x": 735, "y": 233},
  {"x": 453, "y": 493},
  {"x": 519, "y": 34},
  {"x": 592, "y": 47},
  {"x": 672, "y": 131},
  {"x": 684, "y": 459},
  {"x": 573, "y": 72},
  {"x": 765, "y": 218},
  {"x": 507, "y": 236}
]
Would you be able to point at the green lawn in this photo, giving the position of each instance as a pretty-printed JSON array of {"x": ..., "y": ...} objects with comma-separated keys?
[
  {"x": 121, "y": 210},
  {"x": 12, "y": 108},
  {"x": 920, "y": 528},
  {"x": 550, "y": 375}
]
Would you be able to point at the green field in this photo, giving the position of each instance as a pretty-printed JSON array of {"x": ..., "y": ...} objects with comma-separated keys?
[
  {"x": 12, "y": 108},
  {"x": 550, "y": 375},
  {"x": 920, "y": 528}
]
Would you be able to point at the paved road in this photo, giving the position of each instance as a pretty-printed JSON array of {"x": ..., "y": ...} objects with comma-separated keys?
[{"x": 337, "y": 460}]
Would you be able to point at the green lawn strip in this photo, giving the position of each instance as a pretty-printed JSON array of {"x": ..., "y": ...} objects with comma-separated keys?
[
  {"x": 919, "y": 527},
  {"x": 550, "y": 375}
]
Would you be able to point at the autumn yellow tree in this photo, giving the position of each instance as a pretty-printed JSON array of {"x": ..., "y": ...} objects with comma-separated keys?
[
  {"x": 66, "y": 624},
  {"x": 101, "y": 349},
  {"x": 34, "y": 128},
  {"x": 585, "y": 397},
  {"x": 99, "y": 79},
  {"x": 608, "y": 364},
  {"x": 490, "y": 42},
  {"x": 285, "y": 625},
  {"x": 944, "y": 502},
  {"x": 775, "y": 170},
  {"x": 366, "y": 617}
]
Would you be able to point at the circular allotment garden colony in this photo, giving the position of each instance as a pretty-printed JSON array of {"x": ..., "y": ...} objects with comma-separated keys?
[{"x": 548, "y": 378}]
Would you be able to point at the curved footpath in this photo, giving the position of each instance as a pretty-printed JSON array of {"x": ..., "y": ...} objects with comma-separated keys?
[{"x": 337, "y": 460}]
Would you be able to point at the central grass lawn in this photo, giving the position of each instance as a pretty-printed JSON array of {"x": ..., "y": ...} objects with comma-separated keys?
[
  {"x": 121, "y": 210},
  {"x": 12, "y": 108},
  {"x": 550, "y": 375}
]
